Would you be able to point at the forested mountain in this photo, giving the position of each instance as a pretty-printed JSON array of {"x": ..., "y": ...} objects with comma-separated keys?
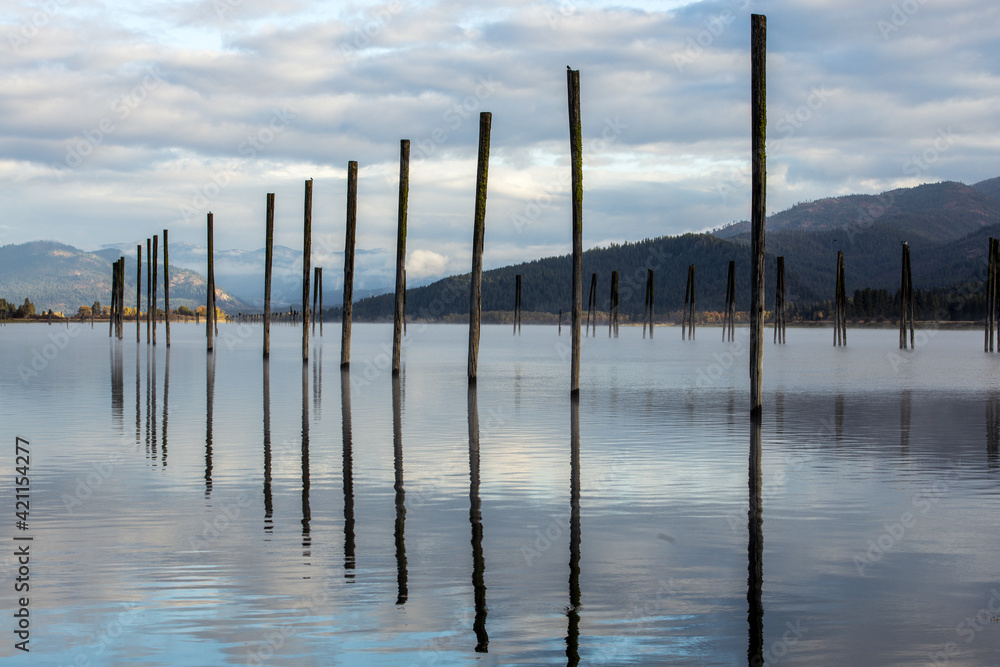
[
  {"x": 946, "y": 225},
  {"x": 63, "y": 278}
]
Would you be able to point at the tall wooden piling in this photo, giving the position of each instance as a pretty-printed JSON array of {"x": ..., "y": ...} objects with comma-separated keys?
[
  {"x": 268, "y": 255},
  {"x": 210, "y": 296},
  {"x": 560, "y": 321},
  {"x": 121, "y": 298},
  {"x": 687, "y": 319},
  {"x": 840, "y": 305},
  {"x": 478, "y": 233},
  {"x": 647, "y": 310},
  {"x": 758, "y": 125},
  {"x": 166, "y": 296},
  {"x": 905, "y": 300},
  {"x": 114, "y": 298},
  {"x": 155, "y": 261},
  {"x": 613, "y": 308},
  {"x": 316, "y": 272},
  {"x": 576, "y": 158},
  {"x": 517, "y": 304},
  {"x": 990, "y": 294},
  {"x": 306, "y": 257},
  {"x": 319, "y": 290},
  {"x": 729, "y": 320},
  {"x": 352, "y": 221},
  {"x": 149, "y": 291},
  {"x": 138, "y": 293},
  {"x": 779, "y": 302},
  {"x": 404, "y": 192},
  {"x": 592, "y": 305}
]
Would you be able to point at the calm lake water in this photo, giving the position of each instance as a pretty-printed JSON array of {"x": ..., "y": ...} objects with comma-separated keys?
[{"x": 194, "y": 511}]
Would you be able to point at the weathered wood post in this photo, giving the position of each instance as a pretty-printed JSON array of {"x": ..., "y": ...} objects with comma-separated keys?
[
  {"x": 576, "y": 158},
  {"x": 592, "y": 303},
  {"x": 149, "y": 291},
  {"x": 687, "y": 306},
  {"x": 478, "y": 232},
  {"x": 155, "y": 261},
  {"x": 166, "y": 304},
  {"x": 990, "y": 295},
  {"x": 404, "y": 192},
  {"x": 114, "y": 298},
  {"x": 316, "y": 272},
  {"x": 909, "y": 293},
  {"x": 268, "y": 255},
  {"x": 138, "y": 293},
  {"x": 319, "y": 289},
  {"x": 613, "y": 306},
  {"x": 758, "y": 124},
  {"x": 210, "y": 297},
  {"x": 645, "y": 306},
  {"x": 306, "y": 257},
  {"x": 728, "y": 322},
  {"x": 652, "y": 300},
  {"x": 517, "y": 303},
  {"x": 352, "y": 221}
]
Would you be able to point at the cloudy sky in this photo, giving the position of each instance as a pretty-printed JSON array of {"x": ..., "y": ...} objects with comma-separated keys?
[{"x": 121, "y": 119}]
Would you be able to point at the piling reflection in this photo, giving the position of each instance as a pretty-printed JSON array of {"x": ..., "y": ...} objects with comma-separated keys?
[
  {"x": 992, "y": 429},
  {"x": 573, "y": 611},
  {"x": 397, "y": 446},
  {"x": 138, "y": 400},
  {"x": 149, "y": 362},
  {"x": 755, "y": 549},
  {"x": 151, "y": 415},
  {"x": 117, "y": 386},
  {"x": 209, "y": 398},
  {"x": 166, "y": 399},
  {"x": 905, "y": 408},
  {"x": 838, "y": 412},
  {"x": 268, "y": 504},
  {"x": 476, "y": 519},
  {"x": 306, "y": 512},
  {"x": 345, "y": 414}
]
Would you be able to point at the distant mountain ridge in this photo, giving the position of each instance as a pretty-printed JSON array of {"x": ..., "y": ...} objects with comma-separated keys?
[
  {"x": 945, "y": 211},
  {"x": 58, "y": 276}
]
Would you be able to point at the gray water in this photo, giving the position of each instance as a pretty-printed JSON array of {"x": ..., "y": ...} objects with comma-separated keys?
[{"x": 188, "y": 510}]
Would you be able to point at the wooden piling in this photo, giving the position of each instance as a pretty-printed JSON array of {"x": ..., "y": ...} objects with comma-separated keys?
[
  {"x": 990, "y": 295},
  {"x": 906, "y": 300},
  {"x": 166, "y": 298},
  {"x": 652, "y": 300},
  {"x": 478, "y": 233},
  {"x": 687, "y": 320},
  {"x": 645, "y": 307},
  {"x": 319, "y": 290},
  {"x": 560, "y": 321},
  {"x": 155, "y": 261},
  {"x": 517, "y": 304},
  {"x": 210, "y": 297},
  {"x": 352, "y": 221},
  {"x": 404, "y": 192},
  {"x": 306, "y": 258},
  {"x": 909, "y": 293},
  {"x": 592, "y": 302},
  {"x": 138, "y": 293},
  {"x": 149, "y": 291},
  {"x": 576, "y": 158},
  {"x": 268, "y": 255},
  {"x": 729, "y": 321},
  {"x": 114, "y": 298},
  {"x": 758, "y": 124},
  {"x": 316, "y": 272},
  {"x": 613, "y": 306}
]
